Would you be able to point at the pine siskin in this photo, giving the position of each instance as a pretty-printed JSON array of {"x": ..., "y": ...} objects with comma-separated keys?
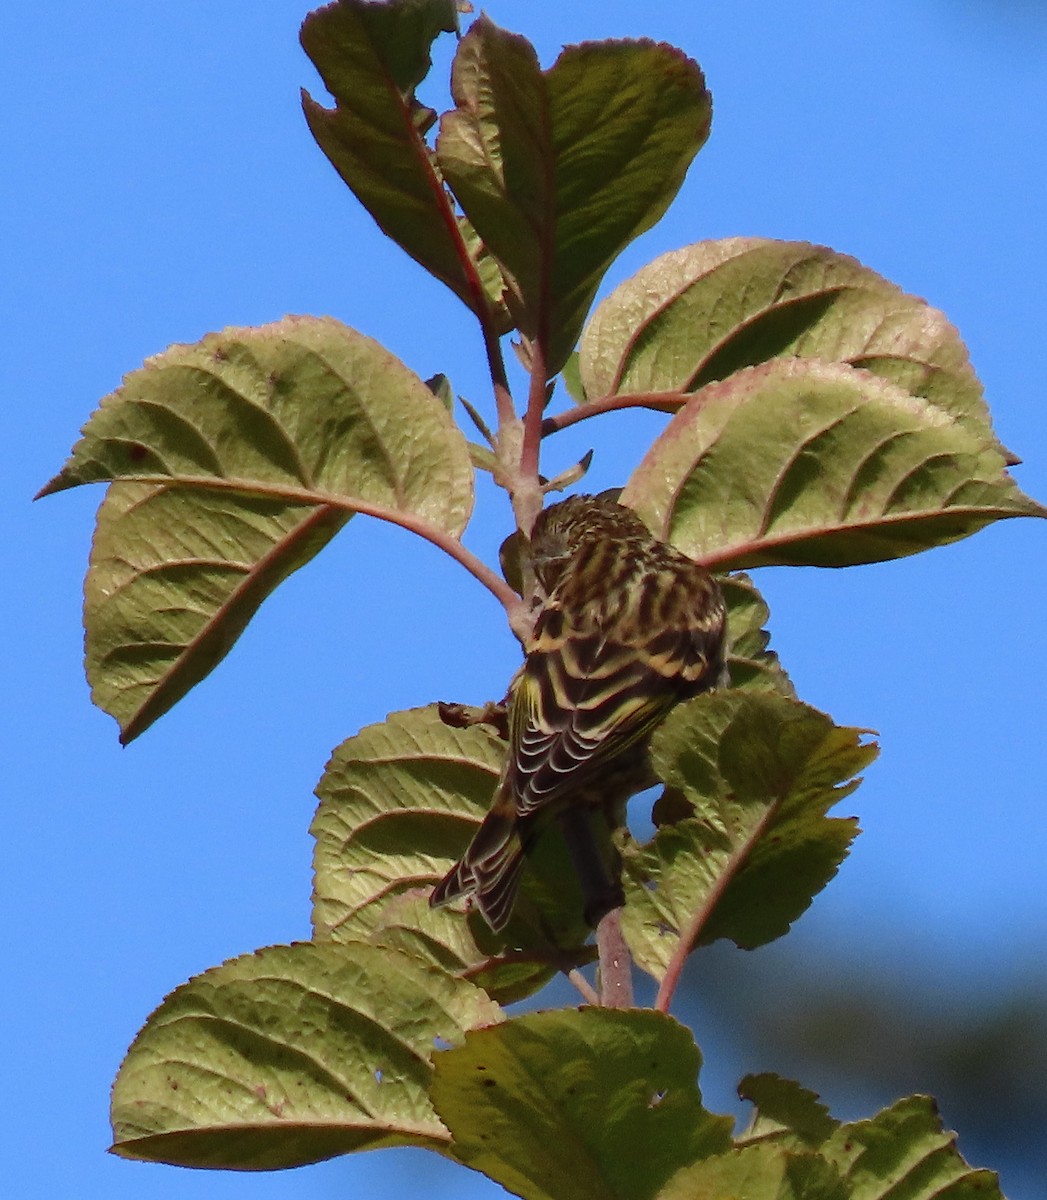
[{"x": 626, "y": 628}]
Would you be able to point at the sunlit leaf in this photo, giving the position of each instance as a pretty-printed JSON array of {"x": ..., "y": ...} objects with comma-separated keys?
[
  {"x": 808, "y": 463},
  {"x": 794, "y": 1150},
  {"x": 559, "y": 170},
  {"x": 399, "y": 802},
  {"x": 238, "y": 459},
  {"x": 589, "y": 1104},
  {"x": 292, "y": 1055},
  {"x": 696, "y": 315},
  {"x": 304, "y": 410},
  {"x": 175, "y": 575},
  {"x": 759, "y": 772}
]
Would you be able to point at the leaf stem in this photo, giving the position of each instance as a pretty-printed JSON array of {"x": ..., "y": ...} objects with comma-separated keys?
[
  {"x": 658, "y": 401},
  {"x": 495, "y": 584}
]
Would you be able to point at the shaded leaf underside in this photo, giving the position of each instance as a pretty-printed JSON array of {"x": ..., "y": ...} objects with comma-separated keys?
[
  {"x": 553, "y": 1105},
  {"x": 371, "y": 57},
  {"x": 291, "y": 1055},
  {"x": 559, "y": 170}
]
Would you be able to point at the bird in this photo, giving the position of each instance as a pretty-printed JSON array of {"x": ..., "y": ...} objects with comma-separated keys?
[{"x": 626, "y": 626}]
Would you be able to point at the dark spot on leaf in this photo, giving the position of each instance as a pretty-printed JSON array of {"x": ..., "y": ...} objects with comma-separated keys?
[
  {"x": 137, "y": 452},
  {"x": 490, "y": 1083}
]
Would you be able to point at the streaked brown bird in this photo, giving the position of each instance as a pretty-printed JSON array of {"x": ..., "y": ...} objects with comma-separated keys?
[{"x": 626, "y": 628}]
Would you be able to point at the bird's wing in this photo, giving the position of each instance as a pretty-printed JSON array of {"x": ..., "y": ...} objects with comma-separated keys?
[{"x": 584, "y": 699}]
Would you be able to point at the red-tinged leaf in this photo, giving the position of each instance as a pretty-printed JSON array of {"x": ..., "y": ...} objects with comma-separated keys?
[
  {"x": 559, "y": 170},
  {"x": 697, "y": 315},
  {"x": 809, "y": 463},
  {"x": 292, "y": 1055},
  {"x": 236, "y": 460},
  {"x": 371, "y": 58}
]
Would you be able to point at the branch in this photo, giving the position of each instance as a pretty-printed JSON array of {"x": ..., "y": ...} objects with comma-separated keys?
[{"x": 616, "y": 964}]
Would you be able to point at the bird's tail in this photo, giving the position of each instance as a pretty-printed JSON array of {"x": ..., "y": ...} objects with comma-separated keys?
[{"x": 491, "y": 867}]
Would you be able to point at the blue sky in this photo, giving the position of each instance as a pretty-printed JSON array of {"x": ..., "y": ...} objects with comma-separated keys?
[{"x": 160, "y": 183}]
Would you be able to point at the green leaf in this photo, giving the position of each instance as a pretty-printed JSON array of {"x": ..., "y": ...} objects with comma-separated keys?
[
  {"x": 903, "y": 1154},
  {"x": 794, "y": 1150},
  {"x": 304, "y": 410},
  {"x": 174, "y": 577},
  {"x": 900, "y": 1154},
  {"x": 559, "y": 170},
  {"x": 760, "y": 772},
  {"x": 786, "y": 1113},
  {"x": 695, "y": 316},
  {"x": 588, "y": 1104},
  {"x": 398, "y": 804},
  {"x": 392, "y": 39},
  {"x": 371, "y": 58},
  {"x": 806, "y": 463},
  {"x": 239, "y": 458},
  {"x": 440, "y": 386},
  {"x": 572, "y": 379},
  {"x": 751, "y": 664},
  {"x": 289, "y": 1056},
  {"x": 757, "y": 1172}
]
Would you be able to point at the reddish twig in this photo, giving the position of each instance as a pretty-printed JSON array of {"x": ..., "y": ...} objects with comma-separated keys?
[
  {"x": 588, "y": 992},
  {"x": 666, "y": 402}
]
